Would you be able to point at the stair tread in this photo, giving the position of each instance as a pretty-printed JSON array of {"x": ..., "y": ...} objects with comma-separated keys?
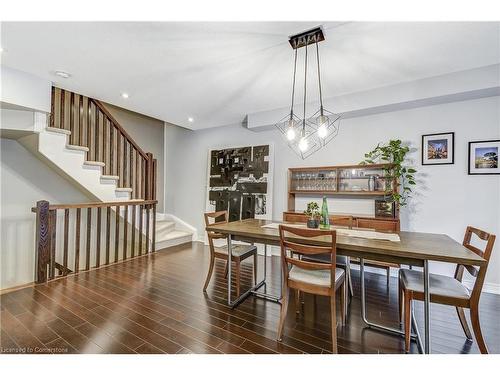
[
  {"x": 124, "y": 189},
  {"x": 91, "y": 162},
  {"x": 110, "y": 177},
  {"x": 58, "y": 130},
  {"x": 77, "y": 147}
]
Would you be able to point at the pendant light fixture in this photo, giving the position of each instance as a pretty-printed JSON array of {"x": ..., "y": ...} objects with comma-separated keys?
[{"x": 307, "y": 135}]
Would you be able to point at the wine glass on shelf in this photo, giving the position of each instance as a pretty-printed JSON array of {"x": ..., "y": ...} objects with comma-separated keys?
[
  {"x": 303, "y": 178},
  {"x": 309, "y": 180},
  {"x": 296, "y": 178}
]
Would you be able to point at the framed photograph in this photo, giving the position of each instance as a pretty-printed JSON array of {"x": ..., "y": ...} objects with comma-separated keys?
[
  {"x": 483, "y": 157},
  {"x": 384, "y": 208},
  {"x": 438, "y": 149}
]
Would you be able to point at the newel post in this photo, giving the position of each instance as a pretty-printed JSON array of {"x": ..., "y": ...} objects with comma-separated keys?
[{"x": 42, "y": 241}]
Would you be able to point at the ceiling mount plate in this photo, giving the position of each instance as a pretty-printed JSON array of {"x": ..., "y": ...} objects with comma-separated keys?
[{"x": 307, "y": 37}]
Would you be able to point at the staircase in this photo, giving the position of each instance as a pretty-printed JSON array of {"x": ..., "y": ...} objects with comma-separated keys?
[
  {"x": 86, "y": 145},
  {"x": 167, "y": 235},
  {"x": 53, "y": 147}
]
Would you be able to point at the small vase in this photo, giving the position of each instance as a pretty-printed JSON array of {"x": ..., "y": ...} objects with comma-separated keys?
[
  {"x": 325, "y": 220},
  {"x": 312, "y": 223}
]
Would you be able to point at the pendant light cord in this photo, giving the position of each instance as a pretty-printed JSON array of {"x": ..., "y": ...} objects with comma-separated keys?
[
  {"x": 305, "y": 92},
  {"x": 293, "y": 85},
  {"x": 319, "y": 78}
]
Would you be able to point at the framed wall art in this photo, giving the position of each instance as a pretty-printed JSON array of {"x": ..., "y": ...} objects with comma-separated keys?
[
  {"x": 483, "y": 157},
  {"x": 438, "y": 149},
  {"x": 240, "y": 181}
]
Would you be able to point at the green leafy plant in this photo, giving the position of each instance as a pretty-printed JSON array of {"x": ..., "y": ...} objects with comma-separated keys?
[
  {"x": 394, "y": 153},
  {"x": 312, "y": 210}
]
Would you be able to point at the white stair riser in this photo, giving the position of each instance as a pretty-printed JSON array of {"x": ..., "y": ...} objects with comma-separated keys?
[
  {"x": 92, "y": 167},
  {"x": 108, "y": 181},
  {"x": 170, "y": 243}
]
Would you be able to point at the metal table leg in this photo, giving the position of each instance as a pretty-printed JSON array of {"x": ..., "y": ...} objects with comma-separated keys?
[
  {"x": 229, "y": 261},
  {"x": 414, "y": 336},
  {"x": 266, "y": 295},
  {"x": 252, "y": 290},
  {"x": 427, "y": 308}
]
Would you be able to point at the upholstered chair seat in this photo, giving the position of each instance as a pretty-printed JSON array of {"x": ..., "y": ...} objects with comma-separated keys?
[
  {"x": 314, "y": 277},
  {"x": 237, "y": 250},
  {"x": 439, "y": 285}
]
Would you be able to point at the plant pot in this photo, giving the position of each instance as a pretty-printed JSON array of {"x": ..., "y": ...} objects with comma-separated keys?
[{"x": 312, "y": 223}]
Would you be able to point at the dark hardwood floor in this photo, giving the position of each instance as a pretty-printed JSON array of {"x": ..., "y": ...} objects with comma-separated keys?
[{"x": 155, "y": 304}]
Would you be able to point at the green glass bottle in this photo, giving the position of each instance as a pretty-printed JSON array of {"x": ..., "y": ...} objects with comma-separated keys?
[{"x": 325, "y": 220}]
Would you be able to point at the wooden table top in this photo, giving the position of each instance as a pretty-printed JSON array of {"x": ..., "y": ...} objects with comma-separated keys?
[{"x": 413, "y": 248}]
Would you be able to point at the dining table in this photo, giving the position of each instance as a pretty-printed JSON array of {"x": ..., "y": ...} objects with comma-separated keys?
[{"x": 403, "y": 247}]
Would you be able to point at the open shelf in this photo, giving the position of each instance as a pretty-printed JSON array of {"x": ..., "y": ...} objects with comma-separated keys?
[
  {"x": 356, "y": 181},
  {"x": 342, "y": 192}
]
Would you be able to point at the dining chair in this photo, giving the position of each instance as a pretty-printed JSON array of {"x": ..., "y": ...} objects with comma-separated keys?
[
  {"x": 240, "y": 252},
  {"x": 448, "y": 290},
  {"x": 309, "y": 276}
]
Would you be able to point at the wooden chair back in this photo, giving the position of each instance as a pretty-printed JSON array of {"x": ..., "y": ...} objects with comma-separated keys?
[
  {"x": 294, "y": 245},
  {"x": 480, "y": 273},
  {"x": 212, "y": 218},
  {"x": 217, "y": 217}
]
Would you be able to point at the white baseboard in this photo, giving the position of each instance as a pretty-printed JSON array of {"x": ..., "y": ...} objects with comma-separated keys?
[{"x": 487, "y": 287}]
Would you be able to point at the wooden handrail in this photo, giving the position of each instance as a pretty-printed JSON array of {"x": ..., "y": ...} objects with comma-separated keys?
[
  {"x": 99, "y": 204},
  {"x": 119, "y": 127}
]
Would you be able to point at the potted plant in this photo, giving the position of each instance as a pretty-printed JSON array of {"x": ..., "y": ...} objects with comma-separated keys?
[
  {"x": 394, "y": 152},
  {"x": 313, "y": 215}
]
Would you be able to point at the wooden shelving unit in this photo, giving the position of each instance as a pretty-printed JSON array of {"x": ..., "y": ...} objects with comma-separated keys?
[
  {"x": 363, "y": 181},
  {"x": 333, "y": 192}
]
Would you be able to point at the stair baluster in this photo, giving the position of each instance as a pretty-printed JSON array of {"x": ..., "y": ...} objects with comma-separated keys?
[{"x": 49, "y": 255}]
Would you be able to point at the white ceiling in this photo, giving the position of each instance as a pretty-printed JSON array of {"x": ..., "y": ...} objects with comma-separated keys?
[{"x": 219, "y": 72}]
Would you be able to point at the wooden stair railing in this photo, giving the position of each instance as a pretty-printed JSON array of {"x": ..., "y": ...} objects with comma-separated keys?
[
  {"x": 93, "y": 126},
  {"x": 92, "y": 245}
]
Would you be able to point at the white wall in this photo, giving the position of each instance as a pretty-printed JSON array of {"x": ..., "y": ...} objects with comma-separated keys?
[
  {"x": 22, "y": 89},
  {"x": 463, "y": 85},
  {"x": 447, "y": 201},
  {"x": 25, "y": 180}
]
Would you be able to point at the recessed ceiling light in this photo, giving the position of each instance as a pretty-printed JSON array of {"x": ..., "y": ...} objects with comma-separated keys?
[
  {"x": 190, "y": 119},
  {"x": 62, "y": 74},
  {"x": 124, "y": 95}
]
